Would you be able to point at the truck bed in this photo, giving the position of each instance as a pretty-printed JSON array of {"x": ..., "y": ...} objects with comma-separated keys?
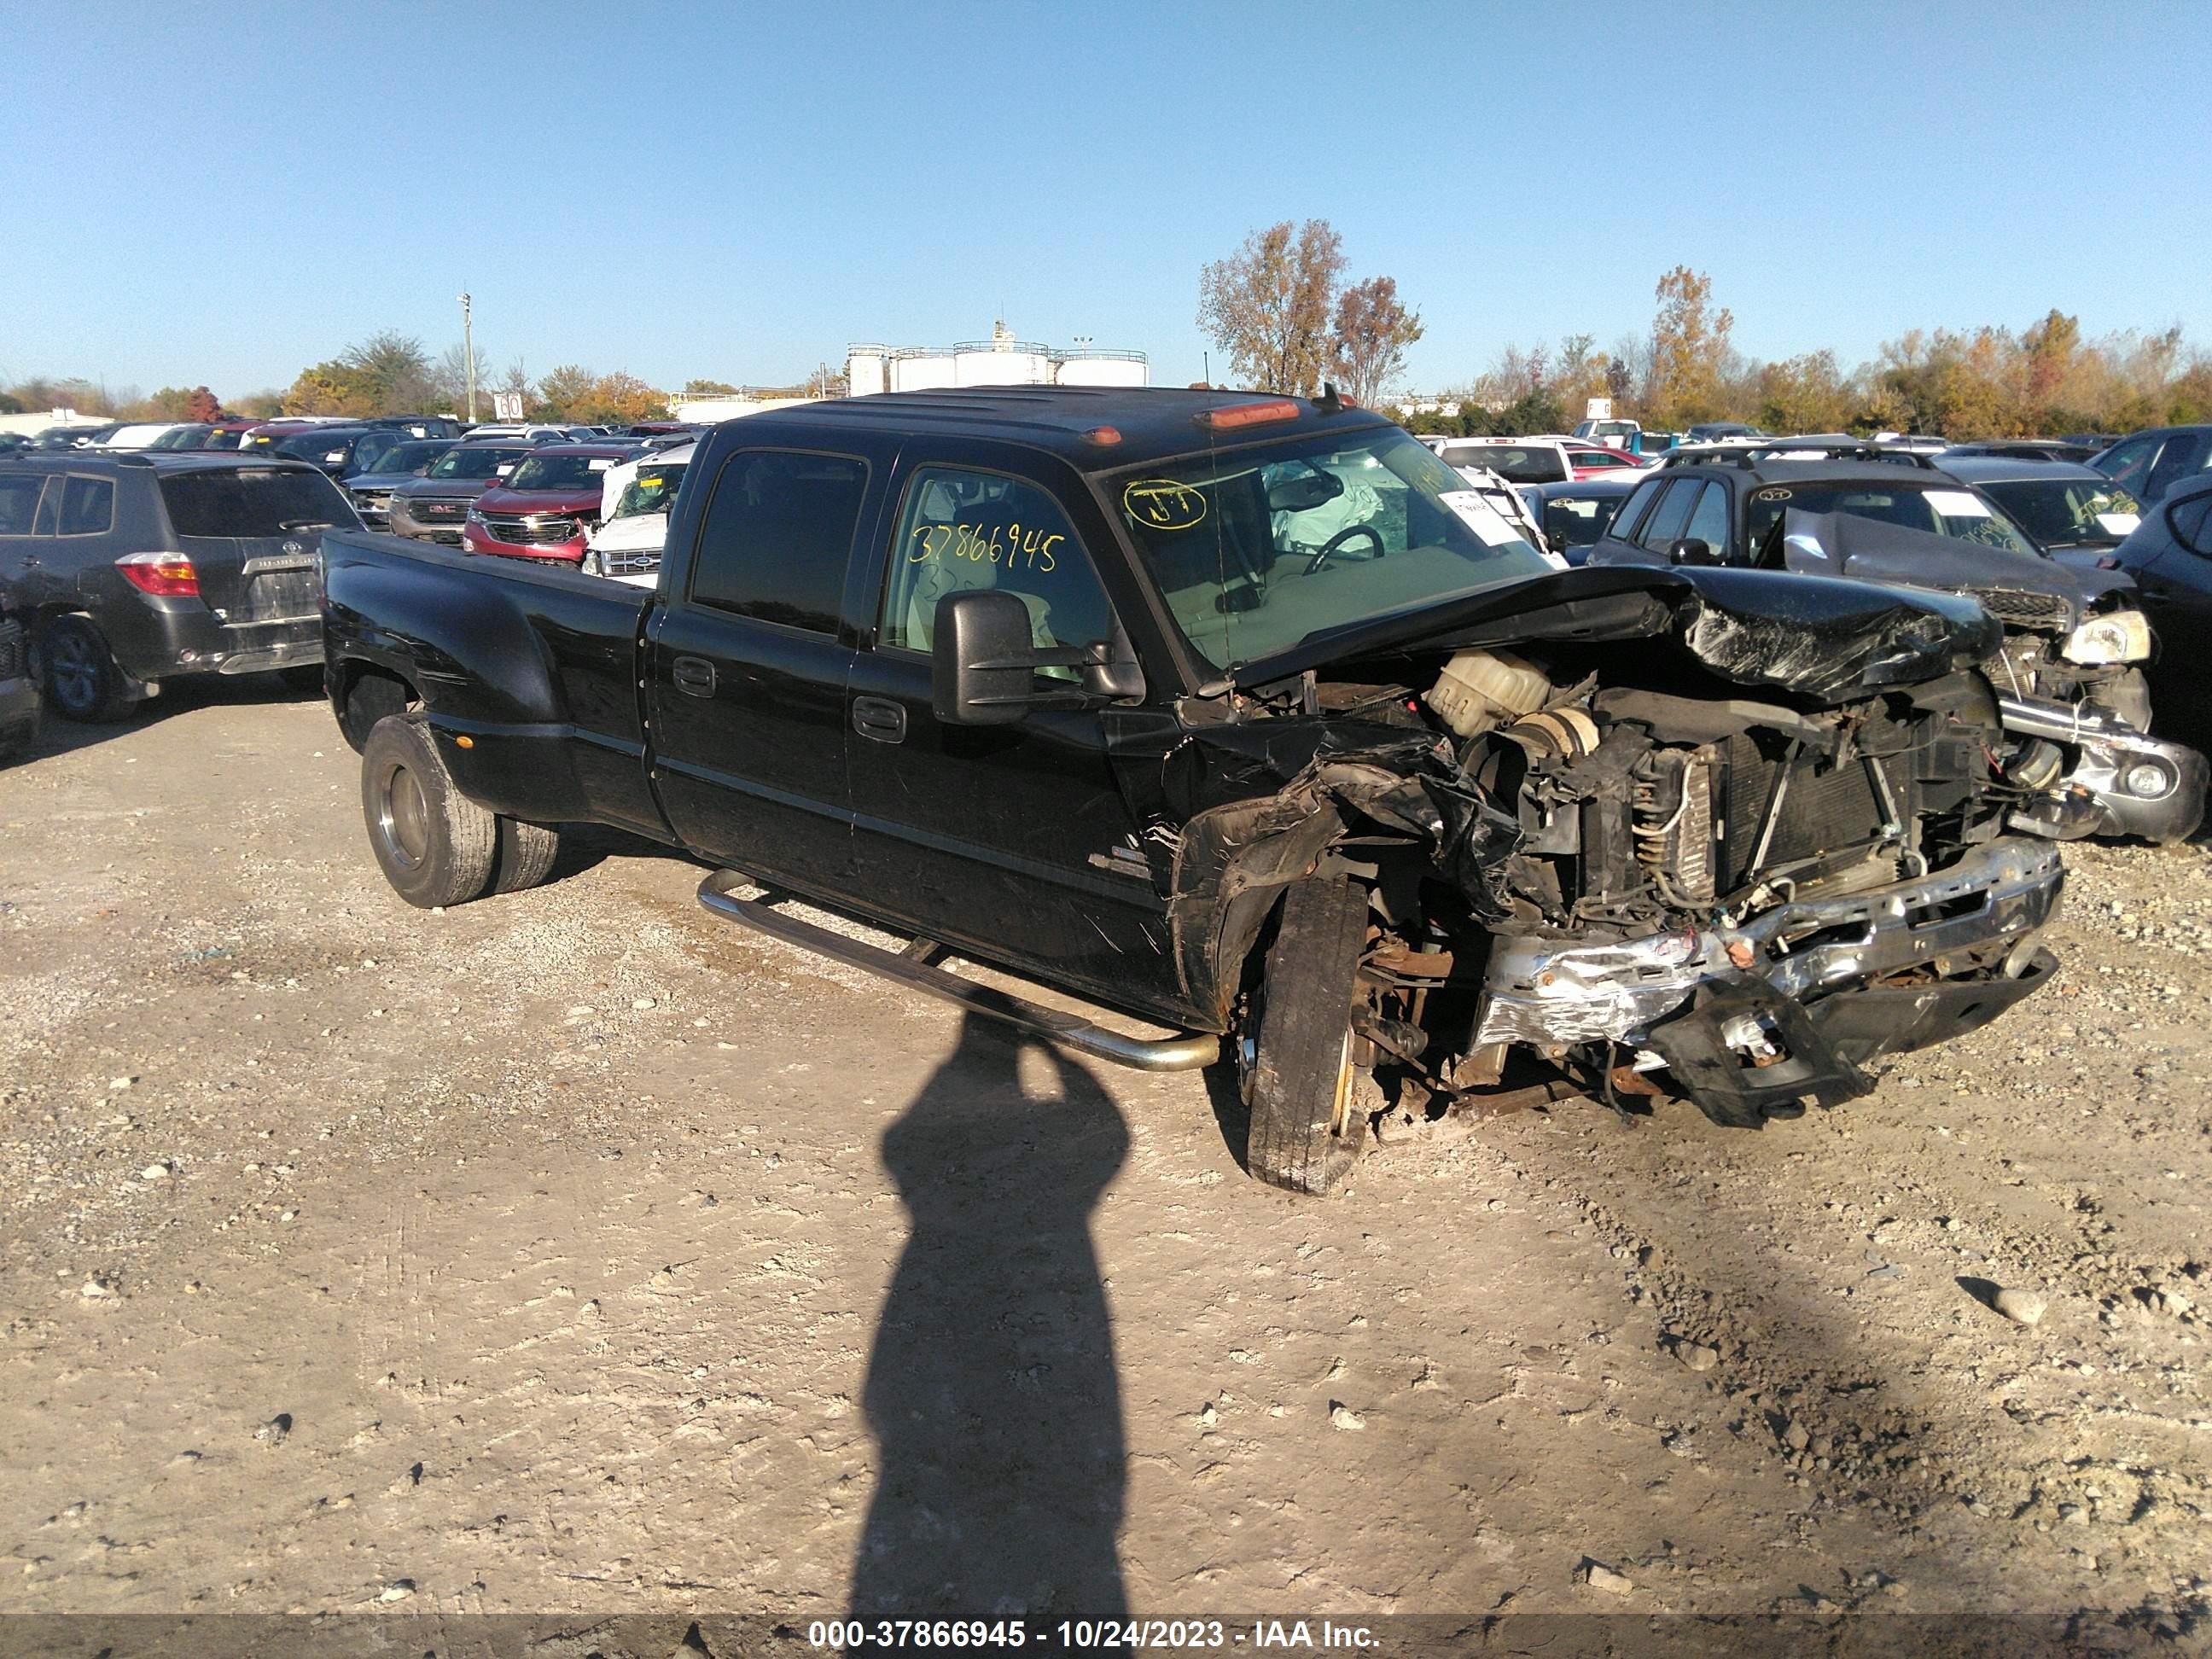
[{"x": 535, "y": 664}]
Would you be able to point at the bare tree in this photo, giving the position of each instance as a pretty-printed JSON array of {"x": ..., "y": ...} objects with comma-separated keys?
[
  {"x": 1372, "y": 332},
  {"x": 1267, "y": 304}
]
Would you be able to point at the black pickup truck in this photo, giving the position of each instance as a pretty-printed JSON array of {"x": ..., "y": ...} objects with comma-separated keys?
[{"x": 1241, "y": 716}]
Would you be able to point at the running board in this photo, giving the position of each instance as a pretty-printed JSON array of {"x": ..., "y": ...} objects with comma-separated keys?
[{"x": 912, "y": 969}]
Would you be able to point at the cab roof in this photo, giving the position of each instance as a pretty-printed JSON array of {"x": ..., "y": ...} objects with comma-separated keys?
[
  {"x": 1152, "y": 421},
  {"x": 153, "y": 460}
]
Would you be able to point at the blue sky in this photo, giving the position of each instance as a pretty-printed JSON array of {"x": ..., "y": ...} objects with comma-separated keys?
[{"x": 227, "y": 193}]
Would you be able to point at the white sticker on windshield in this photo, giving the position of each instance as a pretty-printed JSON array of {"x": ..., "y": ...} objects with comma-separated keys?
[
  {"x": 1489, "y": 524},
  {"x": 1957, "y": 504},
  {"x": 2118, "y": 524},
  {"x": 601, "y": 462}
]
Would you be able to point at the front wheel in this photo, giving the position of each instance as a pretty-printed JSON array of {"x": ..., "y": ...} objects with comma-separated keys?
[
  {"x": 1299, "y": 1083},
  {"x": 435, "y": 846}
]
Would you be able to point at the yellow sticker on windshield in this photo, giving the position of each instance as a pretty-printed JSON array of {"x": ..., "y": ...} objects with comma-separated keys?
[{"x": 1162, "y": 504}]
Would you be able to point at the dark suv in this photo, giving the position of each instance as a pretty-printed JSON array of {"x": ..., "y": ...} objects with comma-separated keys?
[
  {"x": 2147, "y": 464},
  {"x": 134, "y": 568},
  {"x": 2074, "y": 647}
]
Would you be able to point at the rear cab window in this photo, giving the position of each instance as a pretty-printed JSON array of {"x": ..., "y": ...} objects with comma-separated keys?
[{"x": 777, "y": 536}]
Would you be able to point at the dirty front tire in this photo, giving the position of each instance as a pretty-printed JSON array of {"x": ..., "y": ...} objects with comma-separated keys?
[
  {"x": 435, "y": 846},
  {"x": 526, "y": 851},
  {"x": 1304, "y": 1136},
  {"x": 81, "y": 679}
]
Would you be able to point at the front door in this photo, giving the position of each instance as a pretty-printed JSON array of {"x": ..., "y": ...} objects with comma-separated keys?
[
  {"x": 747, "y": 668},
  {"x": 1012, "y": 842}
]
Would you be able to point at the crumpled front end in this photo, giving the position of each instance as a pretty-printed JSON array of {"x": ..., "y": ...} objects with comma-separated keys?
[
  {"x": 1751, "y": 1016},
  {"x": 1741, "y": 859}
]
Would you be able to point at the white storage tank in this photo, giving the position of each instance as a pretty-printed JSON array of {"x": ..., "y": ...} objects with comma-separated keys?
[
  {"x": 864, "y": 371},
  {"x": 923, "y": 371},
  {"x": 990, "y": 368},
  {"x": 1121, "y": 370}
]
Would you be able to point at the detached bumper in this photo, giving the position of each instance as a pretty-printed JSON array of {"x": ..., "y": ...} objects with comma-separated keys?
[
  {"x": 1751, "y": 1019},
  {"x": 2122, "y": 783}
]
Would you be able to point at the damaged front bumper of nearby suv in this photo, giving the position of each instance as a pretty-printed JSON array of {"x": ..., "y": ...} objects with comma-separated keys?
[
  {"x": 1750, "y": 1018},
  {"x": 2109, "y": 779}
]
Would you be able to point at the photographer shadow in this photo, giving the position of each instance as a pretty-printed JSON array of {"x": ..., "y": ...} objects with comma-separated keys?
[{"x": 992, "y": 1388}]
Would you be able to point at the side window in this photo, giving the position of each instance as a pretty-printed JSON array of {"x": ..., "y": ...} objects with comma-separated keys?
[
  {"x": 1665, "y": 526},
  {"x": 2127, "y": 463},
  {"x": 777, "y": 537},
  {"x": 967, "y": 530},
  {"x": 1624, "y": 522},
  {"x": 87, "y": 506},
  {"x": 2191, "y": 523},
  {"x": 2175, "y": 462},
  {"x": 1708, "y": 520},
  {"x": 19, "y": 504}
]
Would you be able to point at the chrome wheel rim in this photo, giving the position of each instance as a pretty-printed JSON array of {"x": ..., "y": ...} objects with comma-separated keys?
[{"x": 403, "y": 816}]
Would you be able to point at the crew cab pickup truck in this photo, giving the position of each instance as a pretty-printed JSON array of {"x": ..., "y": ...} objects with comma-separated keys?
[{"x": 1242, "y": 716}]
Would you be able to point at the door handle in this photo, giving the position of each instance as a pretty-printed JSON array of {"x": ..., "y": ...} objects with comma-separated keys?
[
  {"x": 694, "y": 676},
  {"x": 879, "y": 718}
]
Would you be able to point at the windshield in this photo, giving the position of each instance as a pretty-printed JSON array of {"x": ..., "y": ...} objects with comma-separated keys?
[
  {"x": 560, "y": 472},
  {"x": 1514, "y": 462},
  {"x": 651, "y": 491},
  {"x": 476, "y": 463},
  {"x": 2069, "y": 512},
  {"x": 1937, "y": 510},
  {"x": 252, "y": 501},
  {"x": 1256, "y": 549}
]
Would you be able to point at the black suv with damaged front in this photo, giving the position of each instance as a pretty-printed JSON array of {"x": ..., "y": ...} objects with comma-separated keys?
[
  {"x": 1242, "y": 716},
  {"x": 2078, "y": 759}
]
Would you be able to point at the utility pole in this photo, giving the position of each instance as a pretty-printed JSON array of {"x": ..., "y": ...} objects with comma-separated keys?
[{"x": 469, "y": 352}]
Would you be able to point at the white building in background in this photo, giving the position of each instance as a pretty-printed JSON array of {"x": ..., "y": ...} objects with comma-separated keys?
[{"x": 999, "y": 360}]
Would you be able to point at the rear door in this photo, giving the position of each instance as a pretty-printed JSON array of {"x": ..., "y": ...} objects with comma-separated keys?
[
  {"x": 1013, "y": 842},
  {"x": 747, "y": 663}
]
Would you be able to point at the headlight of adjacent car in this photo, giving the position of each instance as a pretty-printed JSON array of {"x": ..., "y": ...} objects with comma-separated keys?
[
  {"x": 2122, "y": 636},
  {"x": 476, "y": 518}
]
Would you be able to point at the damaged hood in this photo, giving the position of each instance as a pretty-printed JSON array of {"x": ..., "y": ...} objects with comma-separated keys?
[
  {"x": 1820, "y": 636},
  {"x": 1867, "y": 550}
]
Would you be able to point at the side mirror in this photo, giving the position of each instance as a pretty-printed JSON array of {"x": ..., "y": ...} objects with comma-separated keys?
[
  {"x": 1691, "y": 551},
  {"x": 1556, "y": 541},
  {"x": 983, "y": 662},
  {"x": 984, "y": 659}
]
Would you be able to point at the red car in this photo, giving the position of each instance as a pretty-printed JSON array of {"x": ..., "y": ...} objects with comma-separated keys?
[
  {"x": 1595, "y": 461},
  {"x": 548, "y": 507}
]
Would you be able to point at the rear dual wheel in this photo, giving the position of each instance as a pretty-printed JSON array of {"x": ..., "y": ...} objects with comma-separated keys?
[
  {"x": 435, "y": 845},
  {"x": 1300, "y": 1081}
]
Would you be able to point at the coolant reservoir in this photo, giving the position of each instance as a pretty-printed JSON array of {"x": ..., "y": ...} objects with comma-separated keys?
[{"x": 1480, "y": 689}]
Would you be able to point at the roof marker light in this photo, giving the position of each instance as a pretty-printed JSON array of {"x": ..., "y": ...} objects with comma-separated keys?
[
  {"x": 1237, "y": 415},
  {"x": 1104, "y": 434}
]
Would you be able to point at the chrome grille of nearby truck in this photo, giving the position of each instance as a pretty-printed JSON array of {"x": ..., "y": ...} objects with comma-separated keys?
[
  {"x": 430, "y": 510},
  {"x": 530, "y": 532}
]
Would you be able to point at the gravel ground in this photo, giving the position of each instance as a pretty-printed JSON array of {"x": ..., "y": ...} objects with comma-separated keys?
[{"x": 570, "y": 1251}]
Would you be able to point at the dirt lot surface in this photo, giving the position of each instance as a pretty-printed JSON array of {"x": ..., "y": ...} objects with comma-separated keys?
[{"x": 575, "y": 1251}]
